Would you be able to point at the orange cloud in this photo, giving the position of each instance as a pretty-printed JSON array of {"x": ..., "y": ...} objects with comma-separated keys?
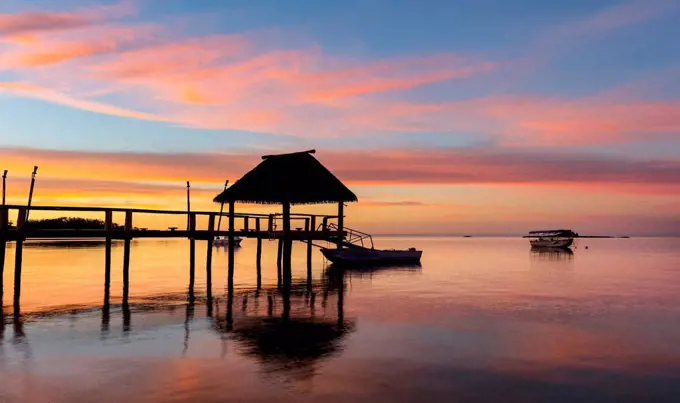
[{"x": 386, "y": 167}]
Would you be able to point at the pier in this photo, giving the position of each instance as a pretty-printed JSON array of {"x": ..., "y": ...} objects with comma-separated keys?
[{"x": 287, "y": 179}]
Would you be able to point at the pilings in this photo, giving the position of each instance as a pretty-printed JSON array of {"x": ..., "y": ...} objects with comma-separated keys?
[
  {"x": 192, "y": 256},
  {"x": 208, "y": 260},
  {"x": 230, "y": 281},
  {"x": 258, "y": 259},
  {"x": 18, "y": 261},
  {"x": 341, "y": 223},
  {"x": 108, "y": 224},
  {"x": 4, "y": 224},
  {"x": 310, "y": 225},
  {"x": 279, "y": 261},
  {"x": 126, "y": 259}
]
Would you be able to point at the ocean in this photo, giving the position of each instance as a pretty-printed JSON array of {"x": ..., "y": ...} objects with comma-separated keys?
[{"x": 480, "y": 320}]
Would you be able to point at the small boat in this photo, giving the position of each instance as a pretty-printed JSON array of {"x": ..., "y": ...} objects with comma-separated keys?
[
  {"x": 552, "y": 239},
  {"x": 359, "y": 255},
  {"x": 224, "y": 241}
]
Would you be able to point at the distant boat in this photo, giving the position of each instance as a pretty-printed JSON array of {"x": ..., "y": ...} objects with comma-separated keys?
[
  {"x": 556, "y": 238},
  {"x": 224, "y": 241},
  {"x": 359, "y": 255}
]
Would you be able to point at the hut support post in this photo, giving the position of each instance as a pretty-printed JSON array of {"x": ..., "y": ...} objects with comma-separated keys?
[
  {"x": 230, "y": 280},
  {"x": 108, "y": 225},
  {"x": 341, "y": 224},
  {"x": 287, "y": 247},
  {"x": 126, "y": 257},
  {"x": 18, "y": 259},
  {"x": 208, "y": 258},
  {"x": 258, "y": 262}
]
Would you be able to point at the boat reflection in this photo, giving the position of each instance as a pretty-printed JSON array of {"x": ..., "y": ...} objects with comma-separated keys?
[
  {"x": 334, "y": 270},
  {"x": 551, "y": 254}
]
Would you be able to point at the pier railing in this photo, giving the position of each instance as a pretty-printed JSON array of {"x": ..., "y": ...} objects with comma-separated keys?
[{"x": 247, "y": 225}]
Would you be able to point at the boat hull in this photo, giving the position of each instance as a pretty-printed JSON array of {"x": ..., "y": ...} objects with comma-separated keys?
[
  {"x": 225, "y": 241},
  {"x": 372, "y": 256},
  {"x": 551, "y": 243}
]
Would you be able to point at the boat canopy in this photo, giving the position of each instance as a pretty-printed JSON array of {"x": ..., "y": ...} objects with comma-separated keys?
[{"x": 552, "y": 233}]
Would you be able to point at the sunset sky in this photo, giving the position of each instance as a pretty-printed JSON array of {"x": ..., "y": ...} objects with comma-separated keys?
[{"x": 444, "y": 117}]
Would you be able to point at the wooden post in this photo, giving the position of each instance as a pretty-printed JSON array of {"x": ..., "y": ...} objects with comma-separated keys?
[
  {"x": 108, "y": 226},
  {"x": 287, "y": 247},
  {"x": 188, "y": 205},
  {"x": 341, "y": 223},
  {"x": 258, "y": 260},
  {"x": 30, "y": 192},
  {"x": 126, "y": 257},
  {"x": 192, "y": 255},
  {"x": 245, "y": 223},
  {"x": 308, "y": 225},
  {"x": 341, "y": 299},
  {"x": 219, "y": 220},
  {"x": 230, "y": 281},
  {"x": 4, "y": 184},
  {"x": 279, "y": 262},
  {"x": 18, "y": 259},
  {"x": 270, "y": 225},
  {"x": 4, "y": 224},
  {"x": 208, "y": 259}
]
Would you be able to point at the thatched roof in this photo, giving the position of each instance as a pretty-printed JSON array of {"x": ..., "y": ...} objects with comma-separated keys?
[{"x": 297, "y": 178}]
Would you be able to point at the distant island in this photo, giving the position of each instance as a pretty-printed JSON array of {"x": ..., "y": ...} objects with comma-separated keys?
[{"x": 67, "y": 223}]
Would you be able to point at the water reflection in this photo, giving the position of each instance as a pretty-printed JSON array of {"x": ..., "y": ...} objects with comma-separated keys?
[
  {"x": 281, "y": 330},
  {"x": 551, "y": 254}
]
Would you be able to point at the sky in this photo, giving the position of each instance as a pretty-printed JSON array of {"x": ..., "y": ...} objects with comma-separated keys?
[{"x": 476, "y": 117}]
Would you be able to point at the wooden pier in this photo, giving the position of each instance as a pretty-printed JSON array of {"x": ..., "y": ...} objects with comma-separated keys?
[
  {"x": 285, "y": 179},
  {"x": 256, "y": 226}
]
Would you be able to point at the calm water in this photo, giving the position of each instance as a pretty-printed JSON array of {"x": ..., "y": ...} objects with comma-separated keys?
[{"x": 483, "y": 319}]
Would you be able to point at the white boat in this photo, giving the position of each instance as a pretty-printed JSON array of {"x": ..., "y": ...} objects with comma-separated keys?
[
  {"x": 359, "y": 255},
  {"x": 224, "y": 241},
  {"x": 552, "y": 239}
]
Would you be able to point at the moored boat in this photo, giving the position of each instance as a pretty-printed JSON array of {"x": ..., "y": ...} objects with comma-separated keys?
[
  {"x": 358, "y": 255},
  {"x": 552, "y": 239},
  {"x": 224, "y": 241}
]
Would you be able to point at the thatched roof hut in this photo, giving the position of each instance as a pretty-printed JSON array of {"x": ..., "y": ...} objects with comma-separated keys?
[{"x": 296, "y": 178}]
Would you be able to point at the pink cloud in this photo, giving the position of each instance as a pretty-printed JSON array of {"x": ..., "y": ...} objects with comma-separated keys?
[
  {"x": 42, "y": 21},
  {"x": 386, "y": 167}
]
